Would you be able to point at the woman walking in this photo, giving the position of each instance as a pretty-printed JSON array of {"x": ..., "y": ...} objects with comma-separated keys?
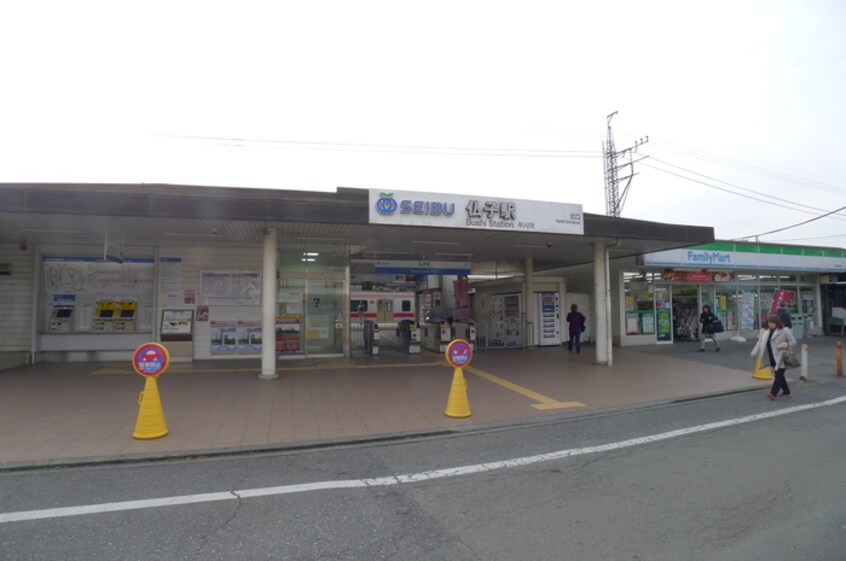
[
  {"x": 707, "y": 319},
  {"x": 772, "y": 343}
]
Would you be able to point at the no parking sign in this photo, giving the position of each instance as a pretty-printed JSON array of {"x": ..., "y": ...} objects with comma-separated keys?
[{"x": 150, "y": 359}]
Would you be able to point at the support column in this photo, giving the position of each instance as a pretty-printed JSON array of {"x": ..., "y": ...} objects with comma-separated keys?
[
  {"x": 268, "y": 306},
  {"x": 529, "y": 302},
  {"x": 602, "y": 304}
]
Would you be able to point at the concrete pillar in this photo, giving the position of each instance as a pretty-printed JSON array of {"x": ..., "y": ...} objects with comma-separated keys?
[
  {"x": 529, "y": 302},
  {"x": 268, "y": 306},
  {"x": 602, "y": 304}
]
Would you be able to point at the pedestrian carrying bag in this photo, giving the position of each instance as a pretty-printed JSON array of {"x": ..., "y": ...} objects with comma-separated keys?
[
  {"x": 716, "y": 326},
  {"x": 790, "y": 359}
]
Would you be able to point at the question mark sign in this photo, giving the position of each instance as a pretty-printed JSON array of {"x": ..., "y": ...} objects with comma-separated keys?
[{"x": 316, "y": 302}]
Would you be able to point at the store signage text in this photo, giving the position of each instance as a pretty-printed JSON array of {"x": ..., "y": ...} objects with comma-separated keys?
[{"x": 709, "y": 257}]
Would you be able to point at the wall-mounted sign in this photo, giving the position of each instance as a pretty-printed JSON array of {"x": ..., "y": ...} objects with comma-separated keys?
[
  {"x": 113, "y": 248},
  {"x": 412, "y": 208},
  {"x": 777, "y": 260},
  {"x": 424, "y": 267}
]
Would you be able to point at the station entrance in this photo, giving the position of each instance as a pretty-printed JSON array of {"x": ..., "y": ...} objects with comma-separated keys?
[{"x": 310, "y": 303}]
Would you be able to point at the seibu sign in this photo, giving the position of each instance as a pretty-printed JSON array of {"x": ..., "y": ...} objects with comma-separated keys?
[{"x": 412, "y": 208}]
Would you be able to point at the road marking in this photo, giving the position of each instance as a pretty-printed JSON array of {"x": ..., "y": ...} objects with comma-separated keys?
[
  {"x": 395, "y": 479},
  {"x": 544, "y": 401}
]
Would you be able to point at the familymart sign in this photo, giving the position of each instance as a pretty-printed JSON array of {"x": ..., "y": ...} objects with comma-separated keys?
[
  {"x": 750, "y": 256},
  {"x": 412, "y": 208}
]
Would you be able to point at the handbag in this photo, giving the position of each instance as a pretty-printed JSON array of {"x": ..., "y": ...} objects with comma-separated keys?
[
  {"x": 716, "y": 326},
  {"x": 790, "y": 359}
]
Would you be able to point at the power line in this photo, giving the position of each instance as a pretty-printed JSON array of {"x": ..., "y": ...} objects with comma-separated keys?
[
  {"x": 740, "y": 187},
  {"x": 393, "y": 148},
  {"x": 769, "y": 202},
  {"x": 835, "y": 236},
  {"x": 794, "y": 225},
  {"x": 749, "y": 168}
]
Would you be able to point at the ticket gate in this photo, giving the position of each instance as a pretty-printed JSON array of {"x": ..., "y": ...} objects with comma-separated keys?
[
  {"x": 409, "y": 337},
  {"x": 371, "y": 338},
  {"x": 465, "y": 330},
  {"x": 436, "y": 336}
]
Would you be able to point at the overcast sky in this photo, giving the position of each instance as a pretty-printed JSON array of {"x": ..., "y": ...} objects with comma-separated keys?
[{"x": 742, "y": 101}]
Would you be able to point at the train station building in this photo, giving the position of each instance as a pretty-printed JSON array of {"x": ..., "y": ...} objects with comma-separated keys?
[{"x": 90, "y": 272}]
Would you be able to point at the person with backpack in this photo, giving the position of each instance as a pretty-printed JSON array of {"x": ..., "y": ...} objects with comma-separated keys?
[
  {"x": 784, "y": 314},
  {"x": 576, "y": 319},
  {"x": 707, "y": 319}
]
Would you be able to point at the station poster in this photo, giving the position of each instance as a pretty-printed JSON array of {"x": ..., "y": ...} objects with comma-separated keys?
[
  {"x": 224, "y": 338},
  {"x": 288, "y": 333},
  {"x": 249, "y": 337},
  {"x": 664, "y": 325}
]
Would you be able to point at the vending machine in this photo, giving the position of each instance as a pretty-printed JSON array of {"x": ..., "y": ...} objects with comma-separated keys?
[{"x": 548, "y": 323}]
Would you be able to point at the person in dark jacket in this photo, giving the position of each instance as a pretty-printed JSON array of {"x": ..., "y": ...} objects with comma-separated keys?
[
  {"x": 707, "y": 319},
  {"x": 576, "y": 319},
  {"x": 784, "y": 314}
]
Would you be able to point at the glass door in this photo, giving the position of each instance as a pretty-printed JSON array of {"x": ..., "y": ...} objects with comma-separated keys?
[
  {"x": 685, "y": 312},
  {"x": 310, "y": 302},
  {"x": 324, "y": 318}
]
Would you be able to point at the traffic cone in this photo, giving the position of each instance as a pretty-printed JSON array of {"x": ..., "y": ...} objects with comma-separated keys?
[
  {"x": 151, "y": 421},
  {"x": 457, "y": 405},
  {"x": 765, "y": 373}
]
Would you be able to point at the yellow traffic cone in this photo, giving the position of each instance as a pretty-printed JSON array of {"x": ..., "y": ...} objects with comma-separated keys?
[
  {"x": 457, "y": 405},
  {"x": 765, "y": 373},
  {"x": 151, "y": 421}
]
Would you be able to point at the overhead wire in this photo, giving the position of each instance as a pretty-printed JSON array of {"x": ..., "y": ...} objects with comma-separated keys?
[
  {"x": 794, "y": 225},
  {"x": 769, "y": 195},
  {"x": 392, "y": 148},
  {"x": 747, "y": 167},
  {"x": 542, "y": 153}
]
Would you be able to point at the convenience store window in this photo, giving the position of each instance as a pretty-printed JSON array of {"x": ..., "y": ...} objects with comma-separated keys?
[{"x": 640, "y": 303}]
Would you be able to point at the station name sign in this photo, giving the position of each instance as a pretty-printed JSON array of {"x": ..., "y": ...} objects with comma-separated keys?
[{"x": 411, "y": 208}]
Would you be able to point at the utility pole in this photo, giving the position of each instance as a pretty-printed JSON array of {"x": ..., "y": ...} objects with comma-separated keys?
[{"x": 614, "y": 199}]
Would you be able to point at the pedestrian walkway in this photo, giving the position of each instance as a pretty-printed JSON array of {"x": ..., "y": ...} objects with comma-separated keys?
[{"x": 56, "y": 414}]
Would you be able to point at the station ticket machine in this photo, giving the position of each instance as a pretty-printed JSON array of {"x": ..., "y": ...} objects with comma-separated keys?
[
  {"x": 115, "y": 316},
  {"x": 60, "y": 319}
]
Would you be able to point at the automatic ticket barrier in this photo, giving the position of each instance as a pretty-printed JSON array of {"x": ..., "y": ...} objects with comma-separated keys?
[
  {"x": 436, "y": 336},
  {"x": 409, "y": 337},
  {"x": 371, "y": 337},
  {"x": 465, "y": 330}
]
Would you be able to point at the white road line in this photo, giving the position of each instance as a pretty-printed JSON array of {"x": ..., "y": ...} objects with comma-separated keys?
[{"x": 396, "y": 479}]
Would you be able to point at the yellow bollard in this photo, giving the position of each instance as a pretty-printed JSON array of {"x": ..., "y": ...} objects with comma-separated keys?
[
  {"x": 458, "y": 405},
  {"x": 458, "y": 354},
  {"x": 150, "y": 422},
  {"x": 839, "y": 351},
  {"x": 150, "y": 360},
  {"x": 804, "y": 368},
  {"x": 762, "y": 373}
]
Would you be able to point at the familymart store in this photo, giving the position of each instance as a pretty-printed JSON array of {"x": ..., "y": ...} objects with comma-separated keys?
[{"x": 662, "y": 296}]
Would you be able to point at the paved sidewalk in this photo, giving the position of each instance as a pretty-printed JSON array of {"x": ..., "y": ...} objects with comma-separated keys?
[{"x": 55, "y": 414}]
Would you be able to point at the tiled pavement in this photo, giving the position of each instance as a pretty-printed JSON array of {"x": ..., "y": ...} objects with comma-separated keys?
[{"x": 78, "y": 412}]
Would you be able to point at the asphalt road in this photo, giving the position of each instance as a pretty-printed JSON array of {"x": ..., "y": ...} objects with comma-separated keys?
[{"x": 771, "y": 488}]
